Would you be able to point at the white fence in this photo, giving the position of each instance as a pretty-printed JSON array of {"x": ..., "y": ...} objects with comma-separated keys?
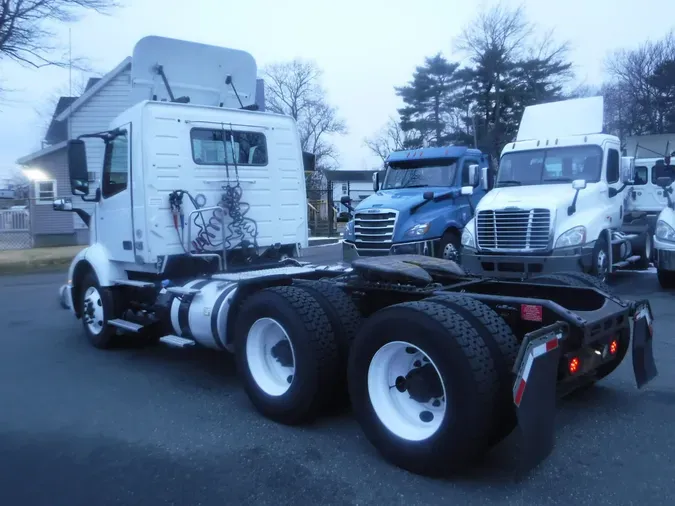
[{"x": 15, "y": 229}]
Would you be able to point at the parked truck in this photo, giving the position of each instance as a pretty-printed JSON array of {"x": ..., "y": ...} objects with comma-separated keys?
[
  {"x": 197, "y": 239},
  {"x": 559, "y": 202},
  {"x": 664, "y": 232},
  {"x": 646, "y": 198},
  {"x": 420, "y": 207}
]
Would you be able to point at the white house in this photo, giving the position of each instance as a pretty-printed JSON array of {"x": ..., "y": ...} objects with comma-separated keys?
[{"x": 357, "y": 184}]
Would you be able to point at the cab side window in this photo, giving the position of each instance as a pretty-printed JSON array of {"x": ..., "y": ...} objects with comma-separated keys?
[
  {"x": 115, "y": 166},
  {"x": 465, "y": 172},
  {"x": 641, "y": 176},
  {"x": 613, "y": 166}
]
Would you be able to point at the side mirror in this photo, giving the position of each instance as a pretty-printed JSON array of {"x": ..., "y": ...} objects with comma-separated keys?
[
  {"x": 484, "y": 178},
  {"x": 428, "y": 195},
  {"x": 64, "y": 204},
  {"x": 77, "y": 167},
  {"x": 579, "y": 184},
  {"x": 376, "y": 181},
  {"x": 664, "y": 182},
  {"x": 345, "y": 200},
  {"x": 474, "y": 175},
  {"x": 627, "y": 169},
  {"x": 467, "y": 190},
  {"x": 308, "y": 161}
]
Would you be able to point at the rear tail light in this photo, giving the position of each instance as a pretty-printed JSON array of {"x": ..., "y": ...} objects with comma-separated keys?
[
  {"x": 573, "y": 365},
  {"x": 613, "y": 347}
]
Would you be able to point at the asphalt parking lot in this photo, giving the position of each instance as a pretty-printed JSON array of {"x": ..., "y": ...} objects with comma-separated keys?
[{"x": 160, "y": 426}]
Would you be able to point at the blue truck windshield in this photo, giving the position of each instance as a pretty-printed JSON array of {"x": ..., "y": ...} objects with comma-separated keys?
[
  {"x": 550, "y": 166},
  {"x": 419, "y": 176}
]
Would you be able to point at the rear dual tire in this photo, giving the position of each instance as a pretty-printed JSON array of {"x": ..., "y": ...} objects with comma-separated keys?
[
  {"x": 449, "y": 424},
  {"x": 291, "y": 347}
]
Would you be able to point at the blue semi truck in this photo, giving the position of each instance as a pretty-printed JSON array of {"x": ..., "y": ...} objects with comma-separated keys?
[{"x": 420, "y": 206}]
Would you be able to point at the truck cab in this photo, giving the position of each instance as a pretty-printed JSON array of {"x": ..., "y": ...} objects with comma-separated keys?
[
  {"x": 559, "y": 200},
  {"x": 646, "y": 198},
  {"x": 420, "y": 206},
  {"x": 664, "y": 230},
  {"x": 194, "y": 178}
]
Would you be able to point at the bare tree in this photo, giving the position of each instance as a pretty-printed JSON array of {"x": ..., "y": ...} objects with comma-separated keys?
[
  {"x": 26, "y": 36},
  {"x": 294, "y": 88},
  {"x": 635, "y": 106},
  {"x": 511, "y": 69},
  {"x": 20, "y": 183},
  {"x": 389, "y": 138}
]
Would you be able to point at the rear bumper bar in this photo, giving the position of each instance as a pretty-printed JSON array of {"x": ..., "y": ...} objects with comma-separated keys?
[{"x": 536, "y": 373}]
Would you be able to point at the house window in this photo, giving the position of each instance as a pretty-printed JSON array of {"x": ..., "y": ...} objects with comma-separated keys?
[
  {"x": 344, "y": 189},
  {"x": 45, "y": 192},
  {"x": 92, "y": 177},
  {"x": 212, "y": 146}
]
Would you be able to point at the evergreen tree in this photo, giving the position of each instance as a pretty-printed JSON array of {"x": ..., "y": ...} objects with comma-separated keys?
[{"x": 429, "y": 102}]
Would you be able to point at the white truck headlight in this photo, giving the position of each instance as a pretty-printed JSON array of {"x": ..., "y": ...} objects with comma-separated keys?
[
  {"x": 573, "y": 237},
  {"x": 418, "y": 230},
  {"x": 467, "y": 238},
  {"x": 664, "y": 231}
]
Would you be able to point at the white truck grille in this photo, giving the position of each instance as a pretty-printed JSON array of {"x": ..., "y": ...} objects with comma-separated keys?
[
  {"x": 514, "y": 229},
  {"x": 374, "y": 229}
]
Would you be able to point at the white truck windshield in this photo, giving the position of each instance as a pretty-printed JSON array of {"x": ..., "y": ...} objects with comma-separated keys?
[
  {"x": 550, "y": 166},
  {"x": 419, "y": 176}
]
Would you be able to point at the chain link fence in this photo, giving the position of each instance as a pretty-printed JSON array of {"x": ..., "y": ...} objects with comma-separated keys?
[{"x": 15, "y": 228}]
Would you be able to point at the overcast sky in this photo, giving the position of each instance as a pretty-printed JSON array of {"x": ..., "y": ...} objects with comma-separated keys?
[{"x": 365, "y": 48}]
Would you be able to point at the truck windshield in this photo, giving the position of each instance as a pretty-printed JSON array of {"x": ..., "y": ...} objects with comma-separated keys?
[
  {"x": 418, "y": 176},
  {"x": 550, "y": 166}
]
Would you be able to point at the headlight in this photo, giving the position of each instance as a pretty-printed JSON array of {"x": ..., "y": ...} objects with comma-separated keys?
[
  {"x": 418, "y": 230},
  {"x": 664, "y": 231},
  {"x": 573, "y": 237},
  {"x": 467, "y": 239}
]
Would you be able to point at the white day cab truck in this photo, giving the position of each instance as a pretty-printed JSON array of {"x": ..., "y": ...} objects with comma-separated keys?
[
  {"x": 664, "y": 236},
  {"x": 197, "y": 236},
  {"x": 559, "y": 201}
]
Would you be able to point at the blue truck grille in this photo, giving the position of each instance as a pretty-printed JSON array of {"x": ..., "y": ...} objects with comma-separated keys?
[
  {"x": 514, "y": 230},
  {"x": 374, "y": 231}
]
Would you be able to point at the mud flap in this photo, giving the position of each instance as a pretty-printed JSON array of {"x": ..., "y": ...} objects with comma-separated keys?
[
  {"x": 534, "y": 392},
  {"x": 644, "y": 366}
]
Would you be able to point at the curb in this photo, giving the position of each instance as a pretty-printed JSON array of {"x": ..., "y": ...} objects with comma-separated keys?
[{"x": 35, "y": 266}]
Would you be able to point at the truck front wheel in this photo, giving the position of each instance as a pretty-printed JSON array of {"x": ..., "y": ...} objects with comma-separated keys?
[
  {"x": 600, "y": 265},
  {"x": 422, "y": 384},
  {"x": 449, "y": 246},
  {"x": 98, "y": 307},
  {"x": 286, "y": 354}
]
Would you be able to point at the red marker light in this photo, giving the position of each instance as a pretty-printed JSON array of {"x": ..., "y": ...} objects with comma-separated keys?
[
  {"x": 613, "y": 347},
  {"x": 574, "y": 365}
]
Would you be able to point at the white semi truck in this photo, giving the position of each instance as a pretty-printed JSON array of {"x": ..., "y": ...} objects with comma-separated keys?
[
  {"x": 559, "y": 200},
  {"x": 197, "y": 235},
  {"x": 664, "y": 233}
]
